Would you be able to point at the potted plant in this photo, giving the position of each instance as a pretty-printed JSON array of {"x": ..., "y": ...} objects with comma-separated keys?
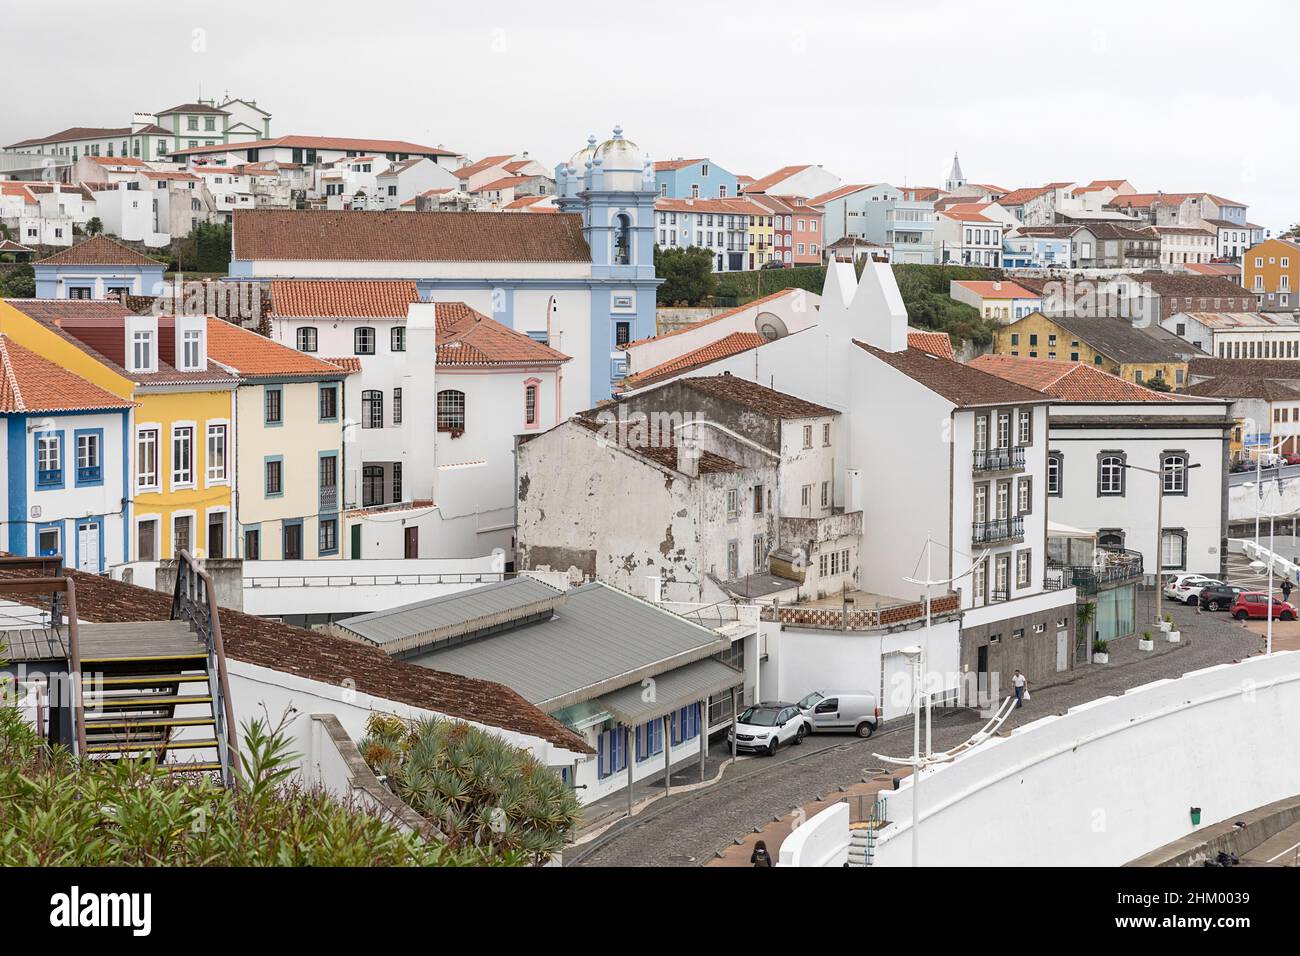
[
  {"x": 1099, "y": 654},
  {"x": 1167, "y": 624},
  {"x": 1171, "y": 633},
  {"x": 1146, "y": 642}
]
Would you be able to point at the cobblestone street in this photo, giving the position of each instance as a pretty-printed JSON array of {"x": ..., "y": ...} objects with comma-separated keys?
[{"x": 688, "y": 830}]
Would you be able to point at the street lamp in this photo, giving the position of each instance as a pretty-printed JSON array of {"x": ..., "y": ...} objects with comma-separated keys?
[
  {"x": 1259, "y": 565},
  {"x": 1160, "y": 537}
]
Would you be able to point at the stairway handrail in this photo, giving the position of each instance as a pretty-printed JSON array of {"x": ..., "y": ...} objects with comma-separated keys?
[{"x": 187, "y": 572}]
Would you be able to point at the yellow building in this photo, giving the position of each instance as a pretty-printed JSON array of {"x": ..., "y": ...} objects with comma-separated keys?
[
  {"x": 761, "y": 233},
  {"x": 1115, "y": 345},
  {"x": 182, "y": 429},
  {"x": 1271, "y": 270}
]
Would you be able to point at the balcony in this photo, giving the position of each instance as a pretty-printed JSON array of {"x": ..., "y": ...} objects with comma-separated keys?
[
  {"x": 998, "y": 531},
  {"x": 987, "y": 460},
  {"x": 329, "y": 499},
  {"x": 1111, "y": 567}
]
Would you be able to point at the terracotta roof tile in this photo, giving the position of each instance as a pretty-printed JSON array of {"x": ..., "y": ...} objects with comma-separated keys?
[
  {"x": 322, "y": 142},
  {"x": 668, "y": 165},
  {"x": 936, "y": 343},
  {"x": 404, "y": 237},
  {"x": 30, "y": 383},
  {"x": 88, "y": 132},
  {"x": 322, "y": 657},
  {"x": 348, "y": 363},
  {"x": 766, "y": 401},
  {"x": 250, "y": 354},
  {"x": 730, "y": 345},
  {"x": 1067, "y": 381},
  {"x": 99, "y": 251},
  {"x": 466, "y": 338},
  {"x": 839, "y": 192},
  {"x": 505, "y": 183},
  {"x": 664, "y": 455},
  {"x": 962, "y": 385},
  {"x": 772, "y": 179},
  {"x": 997, "y": 289},
  {"x": 343, "y": 298},
  {"x": 482, "y": 165}
]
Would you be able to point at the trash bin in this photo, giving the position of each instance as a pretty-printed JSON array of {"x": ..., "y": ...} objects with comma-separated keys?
[{"x": 1196, "y": 816}]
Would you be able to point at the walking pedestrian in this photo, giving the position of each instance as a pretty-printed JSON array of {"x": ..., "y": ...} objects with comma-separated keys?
[
  {"x": 1018, "y": 682},
  {"x": 1286, "y": 589},
  {"x": 760, "y": 856}
]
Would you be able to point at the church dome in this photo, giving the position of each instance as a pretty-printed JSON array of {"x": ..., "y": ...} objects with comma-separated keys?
[
  {"x": 578, "y": 162},
  {"x": 619, "y": 153}
]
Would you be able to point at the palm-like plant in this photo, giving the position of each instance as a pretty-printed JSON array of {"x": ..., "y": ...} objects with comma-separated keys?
[{"x": 476, "y": 788}]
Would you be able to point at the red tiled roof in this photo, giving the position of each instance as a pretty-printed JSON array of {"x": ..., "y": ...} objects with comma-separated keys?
[
  {"x": 504, "y": 183},
  {"x": 348, "y": 363},
  {"x": 839, "y": 192},
  {"x": 997, "y": 289},
  {"x": 8, "y": 245},
  {"x": 1019, "y": 197},
  {"x": 1067, "y": 381},
  {"x": 966, "y": 212},
  {"x": 731, "y": 205},
  {"x": 523, "y": 202},
  {"x": 770, "y": 297},
  {"x": 331, "y": 660},
  {"x": 116, "y": 160},
  {"x": 89, "y": 132},
  {"x": 668, "y": 165},
  {"x": 426, "y": 194},
  {"x": 17, "y": 189},
  {"x": 169, "y": 174},
  {"x": 405, "y": 237},
  {"x": 469, "y": 339},
  {"x": 725, "y": 347},
  {"x": 322, "y": 142},
  {"x": 344, "y": 299},
  {"x": 30, "y": 383},
  {"x": 250, "y": 354},
  {"x": 936, "y": 343},
  {"x": 760, "y": 398},
  {"x": 664, "y": 454},
  {"x": 99, "y": 251},
  {"x": 771, "y": 179},
  {"x": 963, "y": 385},
  {"x": 484, "y": 164}
]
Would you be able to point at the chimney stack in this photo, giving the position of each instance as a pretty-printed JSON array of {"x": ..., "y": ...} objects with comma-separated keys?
[{"x": 688, "y": 455}]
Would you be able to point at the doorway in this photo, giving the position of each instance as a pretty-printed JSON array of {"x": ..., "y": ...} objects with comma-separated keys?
[
  {"x": 982, "y": 674},
  {"x": 1062, "y": 649},
  {"x": 355, "y": 551},
  {"x": 88, "y": 547},
  {"x": 293, "y": 542},
  {"x": 412, "y": 543},
  {"x": 217, "y": 534}
]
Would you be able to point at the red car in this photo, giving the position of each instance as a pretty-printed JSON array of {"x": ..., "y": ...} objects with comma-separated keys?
[
  {"x": 1291, "y": 459},
  {"x": 1255, "y": 604}
]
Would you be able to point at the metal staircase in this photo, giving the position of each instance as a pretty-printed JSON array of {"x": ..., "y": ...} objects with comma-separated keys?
[{"x": 147, "y": 689}]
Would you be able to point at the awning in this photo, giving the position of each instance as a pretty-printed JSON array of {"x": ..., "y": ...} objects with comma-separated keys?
[
  {"x": 1057, "y": 530},
  {"x": 670, "y": 691}
]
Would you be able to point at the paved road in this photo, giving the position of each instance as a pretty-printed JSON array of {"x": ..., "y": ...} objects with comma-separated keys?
[
  {"x": 687, "y": 830},
  {"x": 1268, "y": 474}
]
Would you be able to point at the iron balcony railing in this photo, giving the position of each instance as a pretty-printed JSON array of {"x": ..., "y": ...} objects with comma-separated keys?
[
  {"x": 1117, "y": 566},
  {"x": 997, "y": 596},
  {"x": 998, "y": 459},
  {"x": 1000, "y": 529}
]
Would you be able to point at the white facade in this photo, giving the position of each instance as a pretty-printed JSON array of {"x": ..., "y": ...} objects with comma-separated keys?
[
  {"x": 968, "y": 239},
  {"x": 404, "y": 181}
]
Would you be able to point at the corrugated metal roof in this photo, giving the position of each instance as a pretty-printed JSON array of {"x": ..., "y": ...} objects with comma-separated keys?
[
  {"x": 600, "y": 640},
  {"x": 35, "y": 644},
  {"x": 445, "y": 616},
  {"x": 672, "y": 691}
]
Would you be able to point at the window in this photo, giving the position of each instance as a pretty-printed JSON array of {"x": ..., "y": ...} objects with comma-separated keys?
[
  {"x": 274, "y": 477},
  {"x": 530, "y": 405},
  {"x": 191, "y": 341},
  {"x": 328, "y": 542},
  {"x": 826, "y": 435},
  {"x": 274, "y": 405},
  {"x": 182, "y": 455},
  {"x": 182, "y": 533},
  {"x": 146, "y": 459},
  {"x": 397, "y": 481},
  {"x": 1024, "y": 495},
  {"x": 307, "y": 339},
  {"x": 49, "y": 459},
  {"x": 760, "y": 553},
  {"x": 141, "y": 351},
  {"x": 1024, "y": 567},
  {"x": 397, "y": 338},
  {"x": 1173, "y": 550},
  {"x": 329, "y": 403},
  {"x": 216, "y": 453},
  {"x": 807, "y": 436},
  {"x": 397, "y": 406},
  {"x": 89, "y": 466},
  {"x": 451, "y": 411},
  {"x": 1173, "y": 469},
  {"x": 733, "y": 503},
  {"x": 1026, "y": 432},
  {"x": 758, "y": 499},
  {"x": 1055, "y": 461},
  {"x": 826, "y": 494},
  {"x": 372, "y": 485},
  {"x": 733, "y": 560},
  {"x": 372, "y": 408},
  {"x": 1004, "y": 430},
  {"x": 1110, "y": 473},
  {"x": 252, "y": 544},
  {"x": 622, "y": 333},
  {"x": 978, "y": 585},
  {"x": 363, "y": 340}
]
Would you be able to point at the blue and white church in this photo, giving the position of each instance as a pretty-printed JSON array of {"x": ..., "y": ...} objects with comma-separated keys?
[{"x": 582, "y": 280}]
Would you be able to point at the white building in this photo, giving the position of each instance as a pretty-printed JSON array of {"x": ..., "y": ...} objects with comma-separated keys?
[
  {"x": 1268, "y": 335},
  {"x": 968, "y": 234},
  {"x": 411, "y": 177},
  {"x": 432, "y": 441},
  {"x": 1181, "y": 246},
  {"x": 719, "y": 226},
  {"x": 798, "y": 180},
  {"x": 1101, "y": 432}
]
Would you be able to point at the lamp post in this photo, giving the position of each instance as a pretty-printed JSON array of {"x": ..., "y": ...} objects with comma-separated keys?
[{"x": 1160, "y": 538}]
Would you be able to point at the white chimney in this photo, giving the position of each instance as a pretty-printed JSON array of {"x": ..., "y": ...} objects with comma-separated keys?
[
  {"x": 420, "y": 399},
  {"x": 688, "y": 455},
  {"x": 997, "y": 285}
]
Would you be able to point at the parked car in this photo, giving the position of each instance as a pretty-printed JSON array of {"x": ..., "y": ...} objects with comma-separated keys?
[
  {"x": 1255, "y": 604},
  {"x": 1186, "y": 588},
  {"x": 1242, "y": 464},
  {"x": 1291, "y": 459},
  {"x": 774, "y": 264},
  {"x": 764, "y": 727},
  {"x": 836, "y": 710},
  {"x": 1270, "y": 459},
  {"x": 1220, "y": 597}
]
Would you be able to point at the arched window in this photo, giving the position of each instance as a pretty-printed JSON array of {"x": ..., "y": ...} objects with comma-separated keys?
[
  {"x": 1110, "y": 538},
  {"x": 1173, "y": 550},
  {"x": 372, "y": 408},
  {"x": 1110, "y": 474},
  {"x": 530, "y": 403},
  {"x": 451, "y": 410},
  {"x": 1173, "y": 467},
  {"x": 622, "y": 240}
]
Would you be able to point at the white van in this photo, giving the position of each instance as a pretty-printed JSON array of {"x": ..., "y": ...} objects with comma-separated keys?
[{"x": 832, "y": 711}]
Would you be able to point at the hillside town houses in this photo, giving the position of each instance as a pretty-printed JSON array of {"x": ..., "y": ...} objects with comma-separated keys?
[{"x": 452, "y": 415}]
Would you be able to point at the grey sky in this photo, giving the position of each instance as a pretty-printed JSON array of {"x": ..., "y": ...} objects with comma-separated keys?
[{"x": 1175, "y": 96}]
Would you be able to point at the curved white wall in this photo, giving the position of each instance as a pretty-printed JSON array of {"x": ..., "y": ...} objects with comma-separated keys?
[{"x": 1108, "y": 781}]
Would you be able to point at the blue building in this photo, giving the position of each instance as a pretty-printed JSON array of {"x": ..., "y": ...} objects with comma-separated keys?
[
  {"x": 95, "y": 269},
  {"x": 1039, "y": 247},
  {"x": 694, "y": 179},
  {"x": 66, "y": 479}
]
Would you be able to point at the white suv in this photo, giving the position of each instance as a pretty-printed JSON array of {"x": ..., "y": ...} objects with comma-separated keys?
[{"x": 1186, "y": 588}]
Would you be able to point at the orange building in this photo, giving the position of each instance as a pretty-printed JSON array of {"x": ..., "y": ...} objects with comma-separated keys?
[{"x": 1271, "y": 270}]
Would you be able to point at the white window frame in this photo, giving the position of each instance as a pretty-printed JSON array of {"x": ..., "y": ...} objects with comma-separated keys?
[
  {"x": 156, "y": 485},
  {"x": 211, "y": 476},
  {"x": 176, "y": 430}
]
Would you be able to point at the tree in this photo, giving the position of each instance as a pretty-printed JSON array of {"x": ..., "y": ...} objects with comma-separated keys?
[
  {"x": 477, "y": 789},
  {"x": 94, "y": 226},
  {"x": 1157, "y": 385},
  {"x": 19, "y": 282},
  {"x": 205, "y": 249},
  {"x": 687, "y": 274},
  {"x": 1292, "y": 233}
]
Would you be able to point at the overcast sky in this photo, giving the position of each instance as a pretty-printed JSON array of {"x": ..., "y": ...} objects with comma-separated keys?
[{"x": 1176, "y": 96}]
